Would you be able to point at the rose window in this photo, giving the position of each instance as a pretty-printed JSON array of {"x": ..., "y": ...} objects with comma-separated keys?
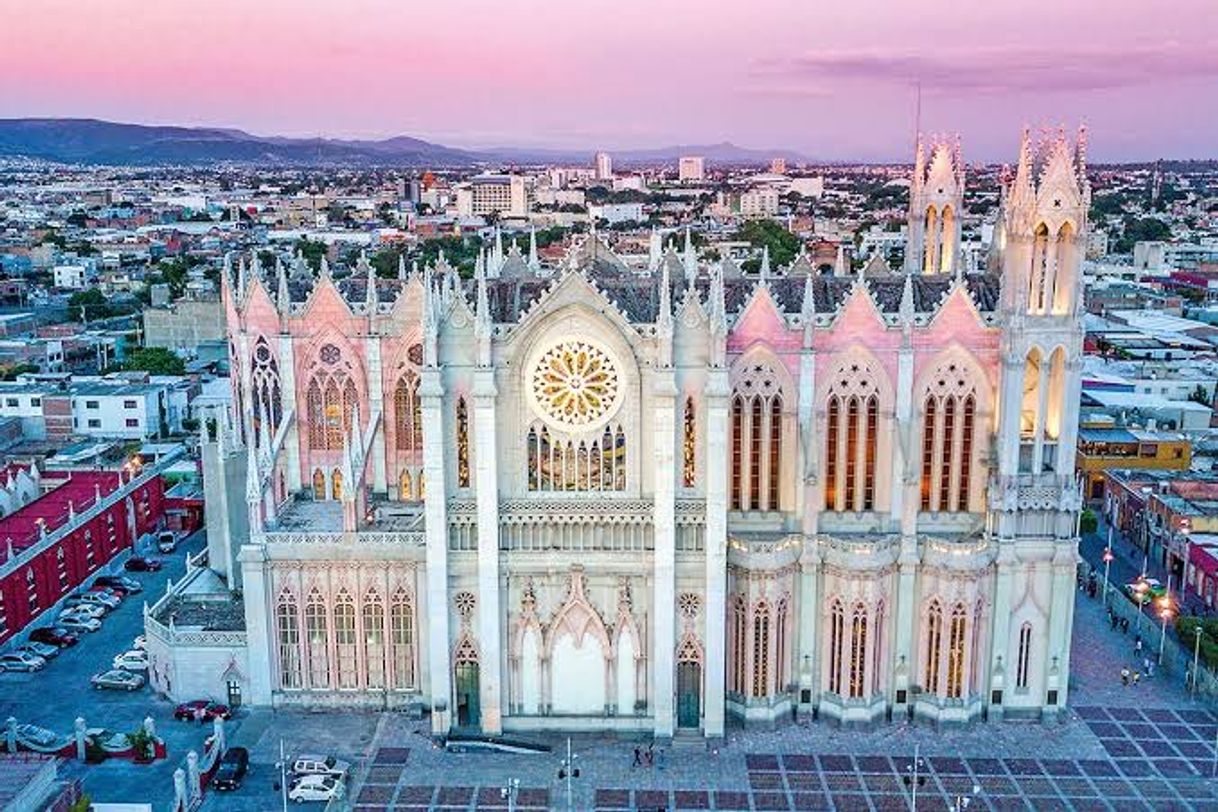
[{"x": 575, "y": 383}]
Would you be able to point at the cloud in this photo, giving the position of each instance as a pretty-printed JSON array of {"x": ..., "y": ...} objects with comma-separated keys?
[{"x": 998, "y": 69}]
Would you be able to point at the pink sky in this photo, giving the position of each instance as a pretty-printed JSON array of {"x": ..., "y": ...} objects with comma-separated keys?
[{"x": 831, "y": 79}]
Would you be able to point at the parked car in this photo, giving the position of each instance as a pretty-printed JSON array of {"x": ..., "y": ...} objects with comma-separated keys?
[
  {"x": 116, "y": 581},
  {"x": 40, "y": 736},
  {"x": 142, "y": 563},
  {"x": 189, "y": 711},
  {"x": 132, "y": 661},
  {"x": 167, "y": 541},
  {"x": 43, "y": 650},
  {"x": 78, "y": 623},
  {"x": 234, "y": 764},
  {"x": 140, "y": 643},
  {"x": 315, "y": 788},
  {"x": 21, "y": 661},
  {"x": 1153, "y": 590},
  {"x": 117, "y": 590},
  {"x": 104, "y": 596},
  {"x": 55, "y": 636},
  {"x": 104, "y": 602},
  {"x": 119, "y": 680},
  {"x": 320, "y": 765},
  {"x": 84, "y": 609}
]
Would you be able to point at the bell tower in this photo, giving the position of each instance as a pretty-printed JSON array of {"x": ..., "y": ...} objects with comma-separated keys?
[{"x": 936, "y": 200}]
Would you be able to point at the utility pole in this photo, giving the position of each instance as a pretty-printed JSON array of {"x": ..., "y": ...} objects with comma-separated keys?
[{"x": 567, "y": 771}]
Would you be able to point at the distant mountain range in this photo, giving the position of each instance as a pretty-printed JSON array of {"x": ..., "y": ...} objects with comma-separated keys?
[{"x": 89, "y": 141}]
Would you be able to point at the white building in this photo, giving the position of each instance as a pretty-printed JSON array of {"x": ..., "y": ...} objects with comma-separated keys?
[
  {"x": 504, "y": 195},
  {"x": 618, "y": 212},
  {"x": 604, "y": 166},
  {"x": 691, "y": 168},
  {"x": 70, "y": 277},
  {"x": 761, "y": 201}
]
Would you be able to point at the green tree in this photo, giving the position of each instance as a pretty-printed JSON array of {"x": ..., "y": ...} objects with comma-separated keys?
[
  {"x": 89, "y": 305},
  {"x": 1145, "y": 229},
  {"x": 311, "y": 251},
  {"x": 784, "y": 246},
  {"x": 155, "y": 361}
]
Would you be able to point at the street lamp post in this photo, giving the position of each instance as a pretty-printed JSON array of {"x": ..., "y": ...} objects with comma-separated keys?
[
  {"x": 1165, "y": 613},
  {"x": 962, "y": 801},
  {"x": 913, "y": 779},
  {"x": 1140, "y": 591},
  {"x": 1196, "y": 659},
  {"x": 1108, "y": 556},
  {"x": 509, "y": 792}
]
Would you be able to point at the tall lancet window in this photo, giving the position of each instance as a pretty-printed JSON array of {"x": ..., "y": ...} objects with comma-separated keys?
[
  {"x": 264, "y": 385},
  {"x": 955, "y": 652},
  {"x": 934, "y": 642},
  {"x": 949, "y": 441},
  {"x": 331, "y": 400},
  {"x": 837, "y": 630},
  {"x": 462, "y": 444},
  {"x": 408, "y": 413},
  {"x": 757, "y": 448},
  {"x": 852, "y": 437},
  {"x": 689, "y": 446},
  {"x": 858, "y": 651},
  {"x": 761, "y": 649}
]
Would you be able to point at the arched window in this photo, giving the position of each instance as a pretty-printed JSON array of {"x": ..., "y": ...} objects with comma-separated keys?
[
  {"x": 837, "y": 629},
  {"x": 31, "y": 590},
  {"x": 934, "y": 639},
  {"x": 761, "y": 649},
  {"x": 374, "y": 638},
  {"x": 264, "y": 384},
  {"x": 858, "y": 651},
  {"x": 317, "y": 636},
  {"x": 974, "y": 685},
  {"x": 287, "y": 621},
  {"x": 739, "y": 636},
  {"x": 588, "y": 464},
  {"x": 1024, "y": 658},
  {"x": 331, "y": 402},
  {"x": 336, "y": 484},
  {"x": 877, "y": 648},
  {"x": 689, "y": 446},
  {"x": 775, "y": 452},
  {"x": 955, "y": 652},
  {"x": 852, "y": 438},
  {"x": 930, "y": 237},
  {"x": 401, "y": 639},
  {"x": 61, "y": 564},
  {"x": 1037, "y": 276},
  {"x": 407, "y": 412},
  {"x": 319, "y": 485},
  {"x": 737, "y": 453},
  {"x": 344, "y": 638},
  {"x": 462, "y": 444},
  {"x": 756, "y": 438},
  {"x": 949, "y": 423},
  {"x": 831, "y": 455}
]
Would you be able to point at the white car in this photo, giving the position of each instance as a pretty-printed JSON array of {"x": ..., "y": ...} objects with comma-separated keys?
[
  {"x": 132, "y": 661},
  {"x": 315, "y": 788},
  {"x": 118, "y": 679},
  {"x": 320, "y": 765},
  {"x": 39, "y": 649},
  {"x": 21, "y": 661},
  {"x": 140, "y": 643},
  {"x": 78, "y": 623},
  {"x": 93, "y": 610}
]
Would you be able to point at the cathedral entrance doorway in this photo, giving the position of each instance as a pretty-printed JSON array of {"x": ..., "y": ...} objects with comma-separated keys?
[
  {"x": 689, "y": 689},
  {"x": 468, "y": 710}
]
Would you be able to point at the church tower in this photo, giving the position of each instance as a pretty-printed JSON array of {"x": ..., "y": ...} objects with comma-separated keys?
[
  {"x": 1035, "y": 497},
  {"x": 936, "y": 201}
]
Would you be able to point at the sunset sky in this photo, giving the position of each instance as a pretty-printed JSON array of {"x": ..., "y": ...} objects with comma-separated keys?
[{"x": 831, "y": 79}]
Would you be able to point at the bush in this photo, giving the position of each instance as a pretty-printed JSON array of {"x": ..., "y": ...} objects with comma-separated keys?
[
  {"x": 1088, "y": 522},
  {"x": 1185, "y": 628}
]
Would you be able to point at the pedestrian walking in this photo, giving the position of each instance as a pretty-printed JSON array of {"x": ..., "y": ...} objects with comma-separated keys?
[
  {"x": 1125, "y": 675},
  {"x": 1150, "y": 668},
  {"x": 1124, "y": 625},
  {"x": 1136, "y": 677},
  {"x": 1137, "y": 644},
  {"x": 638, "y": 758},
  {"x": 1113, "y": 619}
]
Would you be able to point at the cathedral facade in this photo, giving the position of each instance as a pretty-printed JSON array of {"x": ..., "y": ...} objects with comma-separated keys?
[{"x": 649, "y": 494}]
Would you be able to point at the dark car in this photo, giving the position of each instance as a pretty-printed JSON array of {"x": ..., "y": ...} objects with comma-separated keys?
[
  {"x": 54, "y": 636},
  {"x": 233, "y": 766},
  {"x": 189, "y": 711},
  {"x": 117, "y": 582},
  {"x": 142, "y": 563},
  {"x": 117, "y": 590}
]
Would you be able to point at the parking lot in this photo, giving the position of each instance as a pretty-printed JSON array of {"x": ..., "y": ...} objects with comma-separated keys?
[{"x": 55, "y": 696}]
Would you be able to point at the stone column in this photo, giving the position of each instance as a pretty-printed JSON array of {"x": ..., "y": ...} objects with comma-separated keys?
[
  {"x": 435, "y": 511},
  {"x": 808, "y": 634},
  {"x": 715, "y": 465},
  {"x": 486, "y": 480},
  {"x": 78, "y": 730},
  {"x": 1068, "y": 438},
  {"x": 376, "y": 400},
  {"x": 193, "y": 783},
  {"x": 907, "y": 446},
  {"x": 1009, "y": 407},
  {"x": 179, "y": 789},
  {"x": 1058, "y": 649},
  {"x": 1000, "y": 628},
  {"x": 259, "y": 637},
  {"x": 906, "y": 619},
  {"x": 664, "y": 523}
]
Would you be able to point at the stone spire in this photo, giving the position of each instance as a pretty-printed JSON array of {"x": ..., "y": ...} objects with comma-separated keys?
[
  {"x": 689, "y": 257},
  {"x": 402, "y": 267},
  {"x": 839, "y": 265},
  {"x": 242, "y": 280},
  {"x": 370, "y": 298},
  {"x": 807, "y": 313},
  {"x": 717, "y": 308},
  {"x": 253, "y": 484},
  {"x": 482, "y": 318},
  {"x": 283, "y": 297},
  {"x": 264, "y": 440},
  {"x": 664, "y": 320},
  {"x": 431, "y": 328},
  {"x": 497, "y": 256},
  {"x": 763, "y": 274},
  {"x": 534, "y": 262},
  {"x": 655, "y": 251},
  {"x": 325, "y": 268},
  {"x": 906, "y": 309}
]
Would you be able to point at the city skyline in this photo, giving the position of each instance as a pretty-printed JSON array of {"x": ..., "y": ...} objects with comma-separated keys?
[{"x": 833, "y": 83}]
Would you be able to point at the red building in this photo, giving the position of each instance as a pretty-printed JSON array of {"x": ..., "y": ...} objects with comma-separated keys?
[{"x": 55, "y": 543}]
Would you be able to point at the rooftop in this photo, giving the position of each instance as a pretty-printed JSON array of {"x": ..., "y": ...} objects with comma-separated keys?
[{"x": 210, "y": 614}]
